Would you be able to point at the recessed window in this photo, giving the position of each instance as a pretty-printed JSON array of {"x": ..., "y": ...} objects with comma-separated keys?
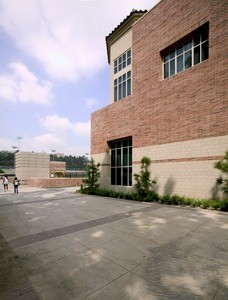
[
  {"x": 121, "y": 162},
  {"x": 193, "y": 51},
  {"x": 122, "y": 61},
  {"x": 122, "y": 86}
]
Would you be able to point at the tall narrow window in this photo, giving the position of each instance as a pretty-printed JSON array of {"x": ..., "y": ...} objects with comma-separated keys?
[
  {"x": 122, "y": 86},
  {"x": 121, "y": 162},
  {"x": 193, "y": 51}
]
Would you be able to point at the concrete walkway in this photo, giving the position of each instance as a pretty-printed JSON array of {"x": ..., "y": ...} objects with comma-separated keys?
[{"x": 56, "y": 244}]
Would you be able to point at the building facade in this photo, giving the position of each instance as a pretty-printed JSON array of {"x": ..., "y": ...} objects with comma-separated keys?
[
  {"x": 32, "y": 165},
  {"x": 168, "y": 74}
]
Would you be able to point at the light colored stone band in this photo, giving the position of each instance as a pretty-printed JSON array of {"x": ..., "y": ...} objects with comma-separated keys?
[{"x": 183, "y": 159}]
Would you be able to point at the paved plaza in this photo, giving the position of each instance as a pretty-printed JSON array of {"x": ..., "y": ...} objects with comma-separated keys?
[{"x": 56, "y": 244}]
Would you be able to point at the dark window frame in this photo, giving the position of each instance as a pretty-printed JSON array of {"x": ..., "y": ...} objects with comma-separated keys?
[
  {"x": 121, "y": 162},
  {"x": 192, "y": 50}
]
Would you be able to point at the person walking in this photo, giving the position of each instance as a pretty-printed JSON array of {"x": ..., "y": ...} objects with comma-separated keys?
[
  {"x": 5, "y": 183},
  {"x": 15, "y": 185}
]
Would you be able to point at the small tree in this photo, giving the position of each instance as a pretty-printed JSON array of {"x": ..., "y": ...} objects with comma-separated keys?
[
  {"x": 143, "y": 182},
  {"x": 90, "y": 184},
  {"x": 222, "y": 165}
]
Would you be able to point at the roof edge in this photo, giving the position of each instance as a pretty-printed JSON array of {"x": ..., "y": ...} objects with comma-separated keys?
[{"x": 122, "y": 28}]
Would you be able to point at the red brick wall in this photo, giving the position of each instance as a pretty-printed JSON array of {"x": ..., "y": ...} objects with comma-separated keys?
[
  {"x": 54, "y": 182},
  {"x": 190, "y": 105},
  {"x": 57, "y": 166}
]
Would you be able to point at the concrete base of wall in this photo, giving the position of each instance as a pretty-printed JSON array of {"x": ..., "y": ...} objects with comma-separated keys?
[{"x": 54, "y": 182}]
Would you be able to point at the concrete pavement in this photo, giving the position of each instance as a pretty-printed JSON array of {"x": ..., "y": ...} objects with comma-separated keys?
[{"x": 56, "y": 244}]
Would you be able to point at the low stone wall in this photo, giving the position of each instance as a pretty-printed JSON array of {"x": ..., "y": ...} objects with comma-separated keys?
[{"x": 54, "y": 182}]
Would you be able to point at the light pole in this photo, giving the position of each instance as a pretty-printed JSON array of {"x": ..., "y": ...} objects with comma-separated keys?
[
  {"x": 19, "y": 142},
  {"x": 53, "y": 151},
  {"x": 14, "y": 148}
]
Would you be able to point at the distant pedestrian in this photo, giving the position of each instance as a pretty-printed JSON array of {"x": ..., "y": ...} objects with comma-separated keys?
[
  {"x": 5, "y": 182},
  {"x": 16, "y": 184}
]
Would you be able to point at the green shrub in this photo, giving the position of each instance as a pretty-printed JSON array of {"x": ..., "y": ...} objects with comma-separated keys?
[
  {"x": 90, "y": 183},
  {"x": 224, "y": 204},
  {"x": 222, "y": 181},
  {"x": 143, "y": 183},
  {"x": 166, "y": 199}
]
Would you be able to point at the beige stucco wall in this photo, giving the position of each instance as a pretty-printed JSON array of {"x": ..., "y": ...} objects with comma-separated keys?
[
  {"x": 119, "y": 47},
  {"x": 31, "y": 164},
  {"x": 184, "y": 168}
]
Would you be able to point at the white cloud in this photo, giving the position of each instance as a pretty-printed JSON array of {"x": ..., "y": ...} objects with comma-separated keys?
[
  {"x": 21, "y": 85},
  {"x": 91, "y": 103},
  {"x": 66, "y": 37},
  {"x": 60, "y": 125},
  {"x": 54, "y": 123}
]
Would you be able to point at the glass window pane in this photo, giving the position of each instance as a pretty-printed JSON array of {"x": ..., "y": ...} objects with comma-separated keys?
[
  {"x": 188, "y": 59},
  {"x": 129, "y": 74},
  {"x": 124, "y": 89},
  {"x": 118, "y": 176},
  {"x": 130, "y": 156},
  {"x": 125, "y": 176},
  {"x": 188, "y": 45},
  {"x": 130, "y": 176},
  {"x": 172, "y": 67},
  {"x": 115, "y": 93},
  {"x": 179, "y": 63},
  {"x": 180, "y": 50},
  {"x": 196, "y": 40},
  {"x": 118, "y": 144},
  {"x": 118, "y": 158},
  {"x": 205, "y": 50},
  {"x": 119, "y": 60},
  {"x": 204, "y": 35},
  {"x": 124, "y": 76},
  {"x": 113, "y": 176},
  {"x": 129, "y": 53},
  {"x": 124, "y": 56},
  {"x": 120, "y": 92},
  {"x": 196, "y": 55},
  {"x": 128, "y": 87},
  {"x": 172, "y": 54},
  {"x": 128, "y": 61},
  {"x": 166, "y": 70},
  {"x": 115, "y": 82},
  {"x": 124, "y": 64},
  {"x": 115, "y": 63},
  {"x": 125, "y": 143},
  {"x": 115, "y": 70},
  {"x": 120, "y": 79},
  {"x": 113, "y": 158},
  {"x": 125, "y": 156},
  {"x": 166, "y": 57},
  {"x": 120, "y": 67}
]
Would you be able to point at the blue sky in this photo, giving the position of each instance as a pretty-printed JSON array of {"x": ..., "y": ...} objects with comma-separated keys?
[{"x": 54, "y": 70}]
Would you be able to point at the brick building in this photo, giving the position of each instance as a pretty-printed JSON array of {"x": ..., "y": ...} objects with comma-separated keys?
[{"x": 168, "y": 74}]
